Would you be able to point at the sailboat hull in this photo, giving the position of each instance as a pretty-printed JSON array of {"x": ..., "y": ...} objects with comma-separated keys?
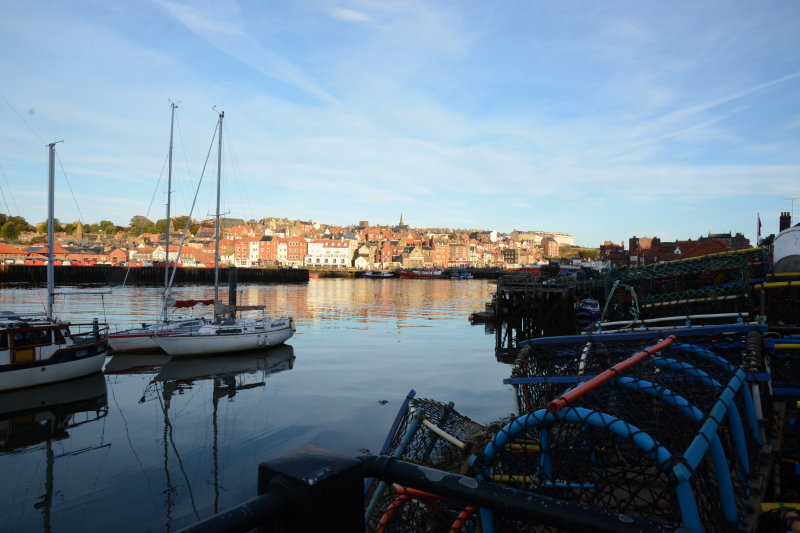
[
  {"x": 132, "y": 343},
  {"x": 141, "y": 339},
  {"x": 201, "y": 343}
]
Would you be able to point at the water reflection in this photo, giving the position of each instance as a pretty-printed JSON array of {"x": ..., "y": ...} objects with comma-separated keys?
[
  {"x": 228, "y": 376},
  {"x": 31, "y": 420},
  {"x": 331, "y": 303},
  {"x": 360, "y": 347}
]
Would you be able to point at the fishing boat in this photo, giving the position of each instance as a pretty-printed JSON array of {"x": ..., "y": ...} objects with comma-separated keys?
[
  {"x": 429, "y": 273},
  {"x": 461, "y": 274},
  {"x": 227, "y": 333},
  {"x": 36, "y": 349},
  {"x": 141, "y": 338}
]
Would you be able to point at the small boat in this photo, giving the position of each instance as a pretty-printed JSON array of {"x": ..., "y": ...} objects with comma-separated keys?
[
  {"x": 461, "y": 274},
  {"x": 227, "y": 333},
  {"x": 377, "y": 275},
  {"x": 430, "y": 273},
  {"x": 587, "y": 313},
  {"x": 36, "y": 349}
]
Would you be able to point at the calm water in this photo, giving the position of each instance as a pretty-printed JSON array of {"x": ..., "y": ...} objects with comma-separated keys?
[{"x": 155, "y": 444}]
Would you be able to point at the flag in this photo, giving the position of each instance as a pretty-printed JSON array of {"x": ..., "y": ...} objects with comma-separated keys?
[{"x": 759, "y": 225}]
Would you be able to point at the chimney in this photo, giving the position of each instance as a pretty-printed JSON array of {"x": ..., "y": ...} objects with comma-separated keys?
[{"x": 785, "y": 221}]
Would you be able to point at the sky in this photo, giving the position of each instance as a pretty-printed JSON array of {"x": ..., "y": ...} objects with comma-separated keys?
[{"x": 604, "y": 120}]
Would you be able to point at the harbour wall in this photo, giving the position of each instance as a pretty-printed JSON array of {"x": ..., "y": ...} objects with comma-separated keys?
[{"x": 116, "y": 275}]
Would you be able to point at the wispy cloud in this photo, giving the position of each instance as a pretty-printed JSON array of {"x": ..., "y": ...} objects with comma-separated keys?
[
  {"x": 230, "y": 37},
  {"x": 350, "y": 15}
]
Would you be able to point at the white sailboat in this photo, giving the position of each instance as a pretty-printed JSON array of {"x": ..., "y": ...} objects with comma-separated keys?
[
  {"x": 227, "y": 333},
  {"x": 36, "y": 349},
  {"x": 141, "y": 338}
]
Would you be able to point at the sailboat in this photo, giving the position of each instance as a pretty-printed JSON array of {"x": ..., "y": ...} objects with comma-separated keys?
[
  {"x": 227, "y": 333},
  {"x": 141, "y": 338},
  {"x": 36, "y": 349}
]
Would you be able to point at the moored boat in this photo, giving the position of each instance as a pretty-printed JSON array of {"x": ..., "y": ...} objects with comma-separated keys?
[
  {"x": 430, "y": 273},
  {"x": 36, "y": 349},
  {"x": 227, "y": 333},
  {"x": 587, "y": 313},
  {"x": 235, "y": 335},
  {"x": 141, "y": 338},
  {"x": 372, "y": 274}
]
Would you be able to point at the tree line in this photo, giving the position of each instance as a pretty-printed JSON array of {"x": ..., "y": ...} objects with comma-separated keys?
[{"x": 11, "y": 227}]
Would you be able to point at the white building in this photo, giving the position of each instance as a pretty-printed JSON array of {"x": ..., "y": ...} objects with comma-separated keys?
[{"x": 329, "y": 253}]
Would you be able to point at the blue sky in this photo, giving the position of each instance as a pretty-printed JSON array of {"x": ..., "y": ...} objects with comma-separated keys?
[{"x": 599, "y": 119}]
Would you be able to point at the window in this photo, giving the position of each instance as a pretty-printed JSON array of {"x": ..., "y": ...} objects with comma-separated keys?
[{"x": 23, "y": 338}]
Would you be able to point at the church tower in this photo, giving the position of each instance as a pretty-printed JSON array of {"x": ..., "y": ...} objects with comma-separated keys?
[{"x": 401, "y": 226}]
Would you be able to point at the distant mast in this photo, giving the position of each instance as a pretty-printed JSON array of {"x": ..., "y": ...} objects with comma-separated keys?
[
  {"x": 216, "y": 225},
  {"x": 51, "y": 189},
  {"x": 169, "y": 199}
]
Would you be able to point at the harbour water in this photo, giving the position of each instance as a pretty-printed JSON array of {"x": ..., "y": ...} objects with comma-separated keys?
[{"x": 157, "y": 444}]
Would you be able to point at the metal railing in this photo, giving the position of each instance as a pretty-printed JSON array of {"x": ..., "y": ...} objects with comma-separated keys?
[{"x": 312, "y": 488}]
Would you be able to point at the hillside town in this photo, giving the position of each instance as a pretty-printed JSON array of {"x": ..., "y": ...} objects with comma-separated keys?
[{"x": 282, "y": 242}]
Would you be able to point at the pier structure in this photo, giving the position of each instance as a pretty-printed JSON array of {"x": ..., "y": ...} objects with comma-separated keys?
[{"x": 525, "y": 308}]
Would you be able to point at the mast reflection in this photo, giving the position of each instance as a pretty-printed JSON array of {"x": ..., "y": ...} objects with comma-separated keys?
[
  {"x": 229, "y": 376},
  {"x": 32, "y": 419}
]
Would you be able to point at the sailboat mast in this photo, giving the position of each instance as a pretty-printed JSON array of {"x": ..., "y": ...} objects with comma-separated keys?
[
  {"x": 169, "y": 198},
  {"x": 216, "y": 236},
  {"x": 51, "y": 189}
]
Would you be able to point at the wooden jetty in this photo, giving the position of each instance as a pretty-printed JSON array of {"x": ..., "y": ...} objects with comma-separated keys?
[
  {"x": 525, "y": 308},
  {"x": 117, "y": 275}
]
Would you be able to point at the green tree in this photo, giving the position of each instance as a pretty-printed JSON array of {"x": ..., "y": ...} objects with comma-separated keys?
[
  {"x": 106, "y": 226},
  {"x": 589, "y": 254},
  {"x": 141, "y": 224},
  {"x": 70, "y": 228},
  {"x": 41, "y": 227},
  {"x": 13, "y": 226},
  {"x": 179, "y": 224}
]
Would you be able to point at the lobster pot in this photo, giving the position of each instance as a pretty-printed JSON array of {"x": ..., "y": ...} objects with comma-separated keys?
[
  {"x": 699, "y": 286},
  {"x": 432, "y": 434},
  {"x": 673, "y": 438},
  {"x": 781, "y": 299}
]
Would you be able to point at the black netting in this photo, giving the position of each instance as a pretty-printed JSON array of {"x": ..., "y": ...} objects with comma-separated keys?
[
  {"x": 782, "y": 302},
  {"x": 592, "y": 450},
  {"x": 432, "y": 434},
  {"x": 703, "y": 285}
]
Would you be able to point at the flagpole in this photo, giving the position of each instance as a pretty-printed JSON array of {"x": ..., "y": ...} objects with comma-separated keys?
[{"x": 758, "y": 229}]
